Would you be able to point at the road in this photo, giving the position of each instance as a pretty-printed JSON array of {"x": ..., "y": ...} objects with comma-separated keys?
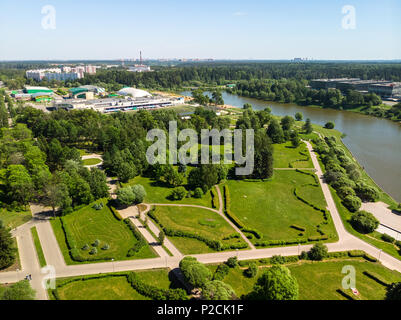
[{"x": 53, "y": 255}]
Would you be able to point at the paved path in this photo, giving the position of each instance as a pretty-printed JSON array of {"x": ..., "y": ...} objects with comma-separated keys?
[
  {"x": 386, "y": 217},
  {"x": 53, "y": 255}
]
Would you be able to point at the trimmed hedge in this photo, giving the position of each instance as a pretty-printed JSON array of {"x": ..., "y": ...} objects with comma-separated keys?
[
  {"x": 213, "y": 195},
  {"x": 138, "y": 236},
  {"x": 376, "y": 278},
  {"x": 137, "y": 284},
  {"x": 294, "y": 226},
  {"x": 116, "y": 214},
  {"x": 213, "y": 244},
  {"x": 72, "y": 246},
  {"x": 345, "y": 295}
]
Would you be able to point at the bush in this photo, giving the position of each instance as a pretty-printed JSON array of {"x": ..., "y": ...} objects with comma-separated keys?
[
  {"x": 221, "y": 272},
  {"x": 85, "y": 247},
  {"x": 366, "y": 192},
  {"x": 387, "y": 238},
  {"x": 278, "y": 260},
  {"x": 93, "y": 251},
  {"x": 125, "y": 196},
  {"x": 139, "y": 193},
  {"x": 252, "y": 271},
  {"x": 345, "y": 191},
  {"x": 394, "y": 292},
  {"x": 96, "y": 243},
  {"x": 217, "y": 290},
  {"x": 178, "y": 193},
  {"x": 329, "y": 125},
  {"x": 352, "y": 203},
  {"x": 198, "y": 193},
  {"x": 106, "y": 247},
  {"x": 364, "y": 222},
  {"x": 232, "y": 262},
  {"x": 318, "y": 252}
]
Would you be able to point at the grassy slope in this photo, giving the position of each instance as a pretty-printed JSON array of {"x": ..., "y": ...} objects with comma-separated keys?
[
  {"x": 284, "y": 154},
  {"x": 327, "y": 278},
  {"x": 116, "y": 288},
  {"x": 272, "y": 208},
  {"x": 195, "y": 220}
]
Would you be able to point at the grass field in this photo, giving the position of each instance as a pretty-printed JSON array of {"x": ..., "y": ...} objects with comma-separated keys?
[
  {"x": 87, "y": 225},
  {"x": 14, "y": 219},
  {"x": 38, "y": 247},
  {"x": 111, "y": 288},
  {"x": 195, "y": 220},
  {"x": 286, "y": 156},
  {"x": 327, "y": 278},
  {"x": 91, "y": 161},
  {"x": 271, "y": 206},
  {"x": 159, "y": 193}
]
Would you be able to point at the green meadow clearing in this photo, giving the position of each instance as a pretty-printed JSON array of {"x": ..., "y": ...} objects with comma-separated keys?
[
  {"x": 286, "y": 156},
  {"x": 271, "y": 207},
  {"x": 87, "y": 225},
  {"x": 158, "y": 192},
  {"x": 197, "y": 221},
  {"x": 321, "y": 280},
  {"x": 110, "y": 288},
  {"x": 91, "y": 161},
  {"x": 13, "y": 219}
]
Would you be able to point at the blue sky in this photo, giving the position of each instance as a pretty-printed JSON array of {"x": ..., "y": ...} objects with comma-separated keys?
[{"x": 220, "y": 29}]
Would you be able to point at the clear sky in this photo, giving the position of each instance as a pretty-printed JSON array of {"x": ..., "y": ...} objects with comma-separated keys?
[{"x": 220, "y": 29}]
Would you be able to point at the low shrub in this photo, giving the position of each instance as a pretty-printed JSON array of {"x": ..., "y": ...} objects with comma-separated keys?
[
  {"x": 387, "y": 238},
  {"x": 232, "y": 262},
  {"x": 252, "y": 270},
  {"x": 221, "y": 272}
]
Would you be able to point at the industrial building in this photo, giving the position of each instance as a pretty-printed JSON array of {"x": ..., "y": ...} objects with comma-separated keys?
[
  {"x": 383, "y": 88},
  {"x": 139, "y": 101}
]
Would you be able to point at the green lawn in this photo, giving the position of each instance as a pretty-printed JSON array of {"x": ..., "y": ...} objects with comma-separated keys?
[
  {"x": 87, "y": 225},
  {"x": 38, "y": 247},
  {"x": 14, "y": 219},
  {"x": 286, "y": 156},
  {"x": 198, "y": 221},
  {"x": 271, "y": 206},
  {"x": 111, "y": 288},
  {"x": 320, "y": 280},
  {"x": 159, "y": 193},
  {"x": 91, "y": 161}
]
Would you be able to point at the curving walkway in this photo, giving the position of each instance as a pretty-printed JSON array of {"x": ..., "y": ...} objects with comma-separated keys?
[{"x": 54, "y": 257}]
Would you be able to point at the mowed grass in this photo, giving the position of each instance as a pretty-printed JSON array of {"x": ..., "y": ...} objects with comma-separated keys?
[
  {"x": 91, "y": 161},
  {"x": 13, "y": 219},
  {"x": 87, "y": 225},
  {"x": 197, "y": 221},
  {"x": 158, "y": 192},
  {"x": 112, "y": 288},
  {"x": 320, "y": 280},
  {"x": 271, "y": 206},
  {"x": 38, "y": 247},
  {"x": 286, "y": 155}
]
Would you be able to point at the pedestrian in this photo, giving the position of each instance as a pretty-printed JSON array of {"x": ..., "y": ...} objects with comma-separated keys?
[{"x": 30, "y": 277}]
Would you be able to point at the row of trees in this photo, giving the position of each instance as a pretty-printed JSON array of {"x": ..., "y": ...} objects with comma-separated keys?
[{"x": 291, "y": 90}]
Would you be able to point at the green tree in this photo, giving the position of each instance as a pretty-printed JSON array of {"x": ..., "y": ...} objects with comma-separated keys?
[
  {"x": 276, "y": 283},
  {"x": 178, "y": 193},
  {"x": 318, "y": 252},
  {"x": 329, "y": 125},
  {"x": 252, "y": 270},
  {"x": 217, "y": 290},
  {"x": 263, "y": 156},
  {"x": 308, "y": 126},
  {"x": 126, "y": 171},
  {"x": 299, "y": 116},
  {"x": 364, "y": 222},
  {"x": 275, "y": 132},
  {"x": 19, "y": 184},
  {"x": 195, "y": 273},
  {"x": 139, "y": 193},
  {"x": 125, "y": 196},
  {"x": 161, "y": 237},
  {"x": 98, "y": 183},
  {"x": 394, "y": 292},
  {"x": 7, "y": 249},
  {"x": 19, "y": 291},
  {"x": 56, "y": 195}
]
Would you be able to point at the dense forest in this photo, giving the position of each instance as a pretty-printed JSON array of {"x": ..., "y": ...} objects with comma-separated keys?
[{"x": 217, "y": 73}]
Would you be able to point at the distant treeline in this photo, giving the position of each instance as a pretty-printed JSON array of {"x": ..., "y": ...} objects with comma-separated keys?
[{"x": 219, "y": 73}]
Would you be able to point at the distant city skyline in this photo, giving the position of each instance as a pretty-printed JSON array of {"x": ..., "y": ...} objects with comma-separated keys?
[{"x": 220, "y": 30}]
